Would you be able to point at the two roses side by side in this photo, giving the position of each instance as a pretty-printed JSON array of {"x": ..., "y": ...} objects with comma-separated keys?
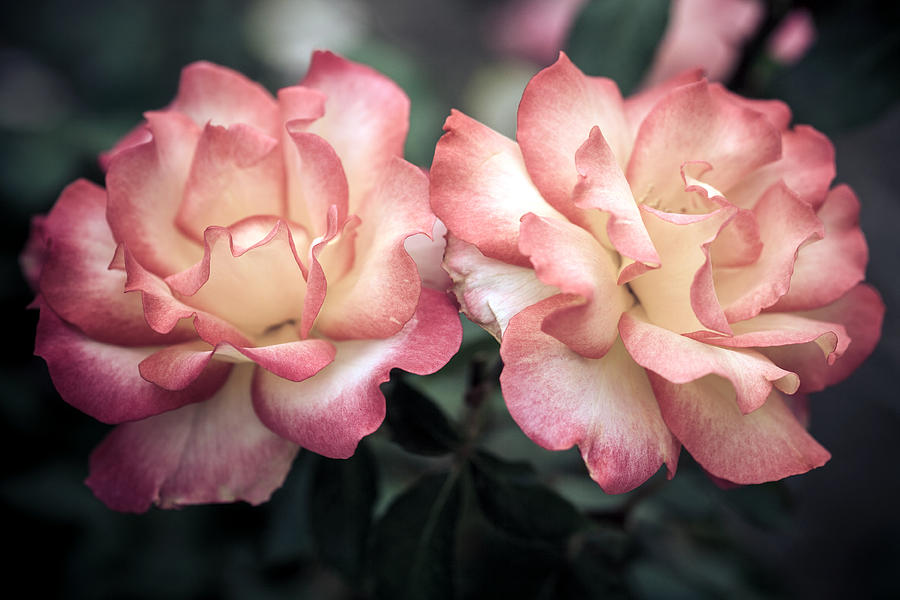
[
  {"x": 669, "y": 270},
  {"x": 241, "y": 286}
]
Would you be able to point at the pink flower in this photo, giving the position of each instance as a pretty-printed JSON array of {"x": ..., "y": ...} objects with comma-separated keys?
[
  {"x": 532, "y": 29},
  {"x": 667, "y": 270},
  {"x": 705, "y": 33},
  {"x": 794, "y": 35},
  {"x": 240, "y": 288}
]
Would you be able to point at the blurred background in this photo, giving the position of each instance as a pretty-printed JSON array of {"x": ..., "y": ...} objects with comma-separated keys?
[{"x": 75, "y": 75}]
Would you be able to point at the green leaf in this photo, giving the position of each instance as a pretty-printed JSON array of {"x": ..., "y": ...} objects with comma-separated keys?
[
  {"x": 414, "y": 541},
  {"x": 343, "y": 495},
  {"x": 492, "y": 562},
  {"x": 513, "y": 499},
  {"x": 417, "y": 424},
  {"x": 618, "y": 38}
]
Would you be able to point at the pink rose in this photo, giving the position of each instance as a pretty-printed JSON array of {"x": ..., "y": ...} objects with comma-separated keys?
[
  {"x": 667, "y": 270},
  {"x": 240, "y": 288}
]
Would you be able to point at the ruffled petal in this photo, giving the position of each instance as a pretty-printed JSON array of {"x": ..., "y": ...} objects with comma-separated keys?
[
  {"x": 703, "y": 124},
  {"x": 227, "y": 282},
  {"x": 236, "y": 173},
  {"x": 366, "y": 119},
  {"x": 294, "y": 361},
  {"x": 680, "y": 295},
  {"x": 315, "y": 181},
  {"x": 331, "y": 412},
  {"x": 785, "y": 224},
  {"x": 781, "y": 329},
  {"x": 765, "y": 445},
  {"x": 163, "y": 312},
  {"x": 806, "y": 166},
  {"x": 638, "y": 106},
  {"x": 145, "y": 185},
  {"x": 602, "y": 186},
  {"x": 825, "y": 270},
  {"x": 560, "y": 398},
  {"x": 211, "y": 93},
  {"x": 861, "y": 312},
  {"x": 379, "y": 293},
  {"x": 490, "y": 292},
  {"x": 428, "y": 252},
  {"x": 104, "y": 381},
  {"x": 137, "y": 136},
  {"x": 679, "y": 359},
  {"x": 480, "y": 188},
  {"x": 214, "y": 451},
  {"x": 566, "y": 256},
  {"x": 559, "y": 108},
  {"x": 76, "y": 280},
  {"x": 778, "y": 113}
]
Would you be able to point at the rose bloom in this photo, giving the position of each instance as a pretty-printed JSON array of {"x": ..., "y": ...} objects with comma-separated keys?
[
  {"x": 667, "y": 270},
  {"x": 240, "y": 288}
]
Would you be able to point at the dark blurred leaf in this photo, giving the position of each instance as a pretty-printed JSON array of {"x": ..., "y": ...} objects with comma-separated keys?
[
  {"x": 417, "y": 424},
  {"x": 492, "y": 562},
  {"x": 596, "y": 567},
  {"x": 765, "y": 505},
  {"x": 849, "y": 76},
  {"x": 343, "y": 494},
  {"x": 414, "y": 541},
  {"x": 618, "y": 38},
  {"x": 514, "y": 500},
  {"x": 288, "y": 534}
]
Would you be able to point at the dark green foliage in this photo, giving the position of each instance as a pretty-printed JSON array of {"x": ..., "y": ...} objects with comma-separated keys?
[
  {"x": 618, "y": 38},
  {"x": 413, "y": 550},
  {"x": 416, "y": 423},
  {"x": 343, "y": 494}
]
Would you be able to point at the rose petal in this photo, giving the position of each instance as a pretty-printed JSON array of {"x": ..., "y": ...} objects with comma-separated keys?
[
  {"x": 316, "y": 182},
  {"x": 602, "y": 185},
  {"x": 638, "y": 106},
  {"x": 145, "y": 185},
  {"x": 236, "y": 173},
  {"x": 103, "y": 380},
  {"x": 428, "y": 252},
  {"x": 680, "y": 295},
  {"x": 211, "y": 93},
  {"x": 566, "y": 256},
  {"x": 366, "y": 118},
  {"x": 137, "y": 136},
  {"x": 163, "y": 312},
  {"x": 559, "y": 108},
  {"x": 606, "y": 406},
  {"x": 480, "y": 188},
  {"x": 861, "y": 312},
  {"x": 806, "y": 167},
  {"x": 703, "y": 124},
  {"x": 76, "y": 280},
  {"x": 491, "y": 292},
  {"x": 227, "y": 282},
  {"x": 785, "y": 223},
  {"x": 781, "y": 329},
  {"x": 765, "y": 445},
  {"x": 778, "y": 113},
  {"x": 680, "y": 359},
  {"x": 214, "y": 451},
  {"x": 331, "y": 412},
  {"x": 826, "y": 269},
  {"x": 379, "y": 293}
]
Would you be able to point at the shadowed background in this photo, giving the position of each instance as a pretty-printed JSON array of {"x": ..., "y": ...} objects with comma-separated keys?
[{"x": 76, "y": 75}]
